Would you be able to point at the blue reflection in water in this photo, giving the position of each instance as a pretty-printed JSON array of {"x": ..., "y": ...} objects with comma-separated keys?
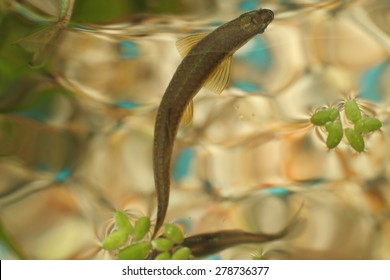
[
  {"x": 288, "y": 4},
  {"x": 182, "y": 164},
  {"x": 34, "y": 115},
  {"x": 127, "y": 105},
  {"x": 247, "y": 5},
  {"x": 213, "y": 257},
  {"x": 128, "y": 50},
  {"x": 369, "y": 86},
  {"x": 63, "y": 175},
  {"x": 257, "y": 56},
  {"x": 5, "y": 254},
  {"x": 281, "y": 192},
  {"x": 247, "y": 87}
]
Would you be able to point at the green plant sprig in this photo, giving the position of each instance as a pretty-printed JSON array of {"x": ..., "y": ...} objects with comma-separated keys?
[
  {"x": 131, "y": 243},
  {"x": 359, "y": 125}
]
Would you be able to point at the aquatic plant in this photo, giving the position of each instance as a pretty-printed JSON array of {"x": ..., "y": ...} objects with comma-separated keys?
[{"x": 330, "y": 118}]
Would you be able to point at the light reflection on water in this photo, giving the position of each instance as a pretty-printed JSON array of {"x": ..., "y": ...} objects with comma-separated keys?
[{"x": 76, "y": 135}]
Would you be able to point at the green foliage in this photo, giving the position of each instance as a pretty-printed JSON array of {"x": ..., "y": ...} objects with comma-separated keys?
[
  {"x": 330, "y": 118},
  {"x": 163, "y": 256},
  {"x": 91, "y": 10},
  {"x": 131, "y": 242},
  {"x": 355, "y": 139},
  {"x": 137, "y": 251},
  {"x": 123, "y": 223},
  {"x": 352, "y": 111},
  {"x": 115, "y": 240},
  {"x": 368, "y": 125},
  {"x": 141, "y": 228},
  {"x": 335, "y": 133},
  {"x": 181, "y": 254},
  {"x": 323, "y": 116},
  {"x": 119, "y": 237},
  {"x": 173, "y": 233},
  {"x": 162, "y": 244}
]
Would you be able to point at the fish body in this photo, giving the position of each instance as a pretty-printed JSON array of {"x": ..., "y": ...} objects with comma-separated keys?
[
  {"x": 207, "y": 61},
  {"x": 211, "y": 243}
]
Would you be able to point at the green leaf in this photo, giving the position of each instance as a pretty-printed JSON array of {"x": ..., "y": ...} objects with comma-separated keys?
[
  {"x": 355, "y": 139},
  {"x": 181, "y": 254},
  {"x": 173, "y": 233},
  {"x": 162, "y": 244},
  {"x": 352, "y": 111},
  {"x": 141, "y": 228},
  {"x": 138, "y": 251},
  {"x": 163, "y": 256},
  {"x": 335, "y": 134},
  {"x": 115, "y": 240},
  {"x": 122, "y": 222},
  {"x": 324, "y": 116},
  {"x": 368, "y": 125}
]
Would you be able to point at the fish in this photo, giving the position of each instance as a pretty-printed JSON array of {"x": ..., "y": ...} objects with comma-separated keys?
[
  {"x": 204, "y": 244},
  {"x": 207, "y": 62}
]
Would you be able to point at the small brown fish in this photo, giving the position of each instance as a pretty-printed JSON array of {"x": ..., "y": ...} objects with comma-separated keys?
[
  {"x": 207, "y": 63},
  {"x": 209, "y": 243}
]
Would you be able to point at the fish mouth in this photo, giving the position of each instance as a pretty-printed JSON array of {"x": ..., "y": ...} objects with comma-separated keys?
[{"x": 267, "y": 15}]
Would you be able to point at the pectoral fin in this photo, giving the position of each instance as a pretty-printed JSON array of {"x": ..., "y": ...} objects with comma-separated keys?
[
  {"x": 185, "y": 44},
  {"x": 188, "y": 113},
  {"x": 217, "y": 81},
  {"x": 220, "y": 78}
]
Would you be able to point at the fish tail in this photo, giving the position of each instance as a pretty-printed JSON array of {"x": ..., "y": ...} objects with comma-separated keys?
[
  {"x": 161, "y": 209},
  {"x": 163, "y": 146},
  {"x": 295, "y": 227}
]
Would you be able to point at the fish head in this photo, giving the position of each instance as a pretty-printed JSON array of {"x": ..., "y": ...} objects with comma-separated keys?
[{"x": 256, "y": 21}]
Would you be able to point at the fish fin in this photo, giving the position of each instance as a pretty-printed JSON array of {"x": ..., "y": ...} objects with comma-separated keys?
[
  {"x": 184, "y": 45},
  {"x": 219, "y": 79},
  {"x": 188, "y": 113},
  {"x": 41, "y": 43},
  {"x": 34, "y": 41}
]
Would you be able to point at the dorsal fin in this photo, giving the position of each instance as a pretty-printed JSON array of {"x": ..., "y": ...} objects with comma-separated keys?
[{"x": 184, "y": 45}]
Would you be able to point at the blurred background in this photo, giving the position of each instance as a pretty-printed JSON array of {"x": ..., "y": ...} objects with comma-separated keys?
[{"x": 80, "y": 83}]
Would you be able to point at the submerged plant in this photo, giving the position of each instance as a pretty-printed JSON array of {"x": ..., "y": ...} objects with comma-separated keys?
[
  {"x": 129, "y": 242},
  {"x": 330, "y": 119},
  {"x": 133, "y": 242}
]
